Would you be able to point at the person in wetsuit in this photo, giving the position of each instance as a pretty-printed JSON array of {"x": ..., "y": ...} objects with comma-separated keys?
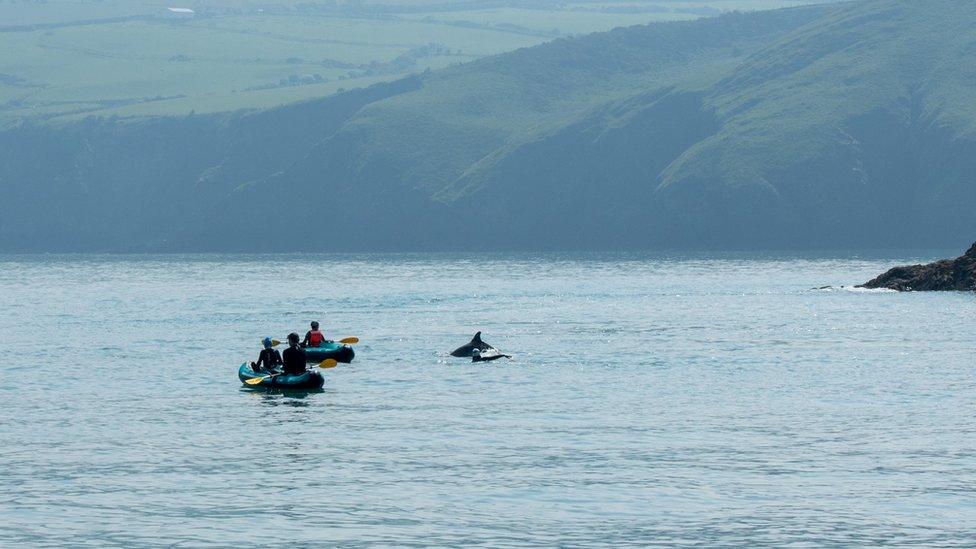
[
  {"x": 294, "y": 356},
  {"x": 313, "y": 338},
  {"x": 268, "y": 359}
]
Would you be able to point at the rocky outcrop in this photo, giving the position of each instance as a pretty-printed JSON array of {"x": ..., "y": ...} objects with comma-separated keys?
[{"x": 947, "y": 275}]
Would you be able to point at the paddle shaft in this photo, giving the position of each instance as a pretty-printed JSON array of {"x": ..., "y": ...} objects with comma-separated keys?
[{"x": 344, "y": 341}]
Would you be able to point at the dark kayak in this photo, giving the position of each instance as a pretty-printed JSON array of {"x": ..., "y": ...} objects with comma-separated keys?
[
  {"x": 308, "y": 380},
  {"x": 330, "y": 349}
]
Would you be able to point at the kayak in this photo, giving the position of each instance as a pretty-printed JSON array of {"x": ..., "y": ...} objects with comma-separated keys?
[
  {"x": 330, "y": 349},
  {"x": 309, "y": 380}
]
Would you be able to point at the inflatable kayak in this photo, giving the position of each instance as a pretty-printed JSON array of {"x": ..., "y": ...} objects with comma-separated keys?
[
  {"x": 330, "y": 349},
  {"x": 308, "y": 380}
]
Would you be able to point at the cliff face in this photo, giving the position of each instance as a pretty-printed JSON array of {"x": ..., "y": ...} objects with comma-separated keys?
[
  {"x": 947, "y": 275},
  {"x": 154, "y": 184}
]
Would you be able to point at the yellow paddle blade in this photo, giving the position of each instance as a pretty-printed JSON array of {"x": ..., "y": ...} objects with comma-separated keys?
[
  {"x": 349, "y": 341},
  {"x": 328, "y": 363},
  {"x": 256, "y": 380},
  {"x": 275, "y": 342}
]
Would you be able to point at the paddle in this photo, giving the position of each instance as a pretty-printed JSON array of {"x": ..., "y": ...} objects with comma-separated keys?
[
  {"x": 346, "y": 341},
  {"x": 327, "y": 363}
]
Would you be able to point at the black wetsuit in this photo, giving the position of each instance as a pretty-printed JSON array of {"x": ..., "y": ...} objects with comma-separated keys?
[
  {"x": 294, "y": 360},
  {"x": 268, "y": 360}
]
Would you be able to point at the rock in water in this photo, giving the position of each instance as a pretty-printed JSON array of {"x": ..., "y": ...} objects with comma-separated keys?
[{"x": 947, "y": 275}]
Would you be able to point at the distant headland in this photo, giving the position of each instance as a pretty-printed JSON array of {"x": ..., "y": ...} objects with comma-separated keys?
[{"x": 957, "y": 274}]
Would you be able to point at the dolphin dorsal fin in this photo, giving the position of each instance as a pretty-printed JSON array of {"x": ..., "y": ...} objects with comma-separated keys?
[{"x": 476, "y": 338}]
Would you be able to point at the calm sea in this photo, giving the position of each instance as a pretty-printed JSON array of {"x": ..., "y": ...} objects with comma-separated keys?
[{"x": 676, "y": 400}]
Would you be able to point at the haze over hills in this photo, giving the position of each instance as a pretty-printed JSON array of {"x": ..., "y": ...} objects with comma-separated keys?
[{"x": 833, "y": 126}]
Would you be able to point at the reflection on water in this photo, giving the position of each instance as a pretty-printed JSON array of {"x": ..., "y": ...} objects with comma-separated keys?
[{"x": 279, "y": 397}]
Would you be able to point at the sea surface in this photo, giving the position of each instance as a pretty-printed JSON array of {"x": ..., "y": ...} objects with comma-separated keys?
[{"x": 670, "y": 399}]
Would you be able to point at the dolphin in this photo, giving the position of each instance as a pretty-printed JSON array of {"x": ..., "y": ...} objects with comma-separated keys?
[
  {"x": 468, "y": 350},
  {"x": 478, "y": 350}
]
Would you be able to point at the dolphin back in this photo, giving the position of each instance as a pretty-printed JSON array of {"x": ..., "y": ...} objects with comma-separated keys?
[{"x": 468, "y": 350}]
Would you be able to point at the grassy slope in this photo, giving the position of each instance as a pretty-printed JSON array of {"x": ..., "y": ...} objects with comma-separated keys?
[
  {"x": 73, "y": 57},
  {"x": 527, "y": 95},
  {"x": 840, "y": 127}
]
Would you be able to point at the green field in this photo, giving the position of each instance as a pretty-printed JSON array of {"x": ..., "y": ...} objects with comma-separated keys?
[{"x": 71, "y": 58}]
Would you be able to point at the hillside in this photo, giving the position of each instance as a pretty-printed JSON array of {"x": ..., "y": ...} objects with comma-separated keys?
[
  {"x": 837, "y": 126},
  {"x": 69, "y": 58}
]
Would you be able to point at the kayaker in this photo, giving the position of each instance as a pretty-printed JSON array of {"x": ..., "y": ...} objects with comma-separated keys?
[
  {"x": 313, "y": 338},
  {"x": 269, "y": 357},
  {"x": 294, "y": 356}
]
